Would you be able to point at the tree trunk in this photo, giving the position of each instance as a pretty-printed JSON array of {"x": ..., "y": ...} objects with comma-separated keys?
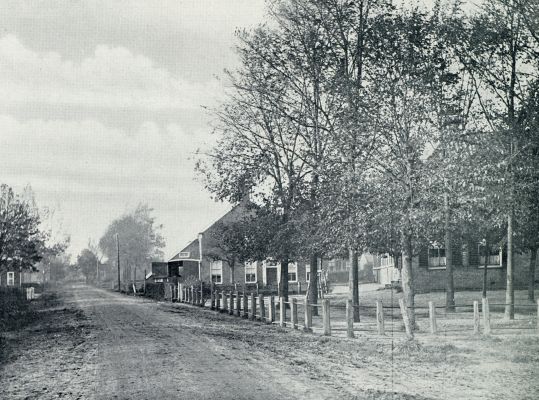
[
  {"x": 231, "y": 266},
  {"x": 283, "y": 284},
  {"x": 407, "y": 277},
  {"x": 485, "y": 269},
  {"x": 313, "y": 283},
  {"x": 353, "y": 282},
  {"x": 531, "y": 274},
  {"x": 450, "y": 287},
  {"x": 510, "y": 290}
]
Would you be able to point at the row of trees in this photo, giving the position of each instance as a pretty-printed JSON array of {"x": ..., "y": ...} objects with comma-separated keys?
[
  {"x": 140, "y": 242},
  {"x": 365, "y": 126},
  {"x": 24, "y": 240}
]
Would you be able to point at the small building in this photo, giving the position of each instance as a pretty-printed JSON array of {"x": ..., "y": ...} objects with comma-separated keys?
[
  {"x": 163, "y": 272},
  {"x": 15, "y": 277}
]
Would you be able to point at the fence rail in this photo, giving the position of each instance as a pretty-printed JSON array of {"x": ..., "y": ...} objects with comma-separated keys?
[{"x": 297, "y": 313}]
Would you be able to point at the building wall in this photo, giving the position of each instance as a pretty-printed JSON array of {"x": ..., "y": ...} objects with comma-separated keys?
[
  {"x": 470, "y": 277},
  {"x": 17, "y": 278}
]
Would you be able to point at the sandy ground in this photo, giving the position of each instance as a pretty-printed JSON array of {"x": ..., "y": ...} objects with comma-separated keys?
[{"x": 90, "y": 343}]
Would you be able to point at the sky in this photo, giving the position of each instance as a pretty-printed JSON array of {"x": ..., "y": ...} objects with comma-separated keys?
[{"x": 101, "y": 107}]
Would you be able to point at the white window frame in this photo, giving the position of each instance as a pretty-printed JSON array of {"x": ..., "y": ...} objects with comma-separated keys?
[
  {"x": 390, "y": 261},
  {"x": 294, "y": 270},
  {"x": 216, "y": 269},
  {"x": 442, "y": 261},
  {"x": 10, "y": 278},
  {"x": 482, "y": 260},
  {"x": 251, "y": 265},
  {"x": 184, "y": 254}
]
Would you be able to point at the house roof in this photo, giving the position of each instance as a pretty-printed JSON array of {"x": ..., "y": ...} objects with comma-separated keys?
[{"x": 192, "y": 252}]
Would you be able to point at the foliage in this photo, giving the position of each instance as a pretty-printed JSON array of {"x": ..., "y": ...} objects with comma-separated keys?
[{"x": 139, "y": 238}]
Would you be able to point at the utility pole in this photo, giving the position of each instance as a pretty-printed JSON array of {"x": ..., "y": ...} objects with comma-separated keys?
[
  {"x": 96, "y": 271},
  {"x": 118, "y": 252}
]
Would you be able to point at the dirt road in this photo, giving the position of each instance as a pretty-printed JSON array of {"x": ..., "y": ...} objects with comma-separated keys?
[
  {"x": 134, "y": 348},
  {"x": 88, "y": 343}
]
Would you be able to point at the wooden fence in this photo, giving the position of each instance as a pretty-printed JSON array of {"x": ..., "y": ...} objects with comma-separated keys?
[{"x": 384, "y": 320}]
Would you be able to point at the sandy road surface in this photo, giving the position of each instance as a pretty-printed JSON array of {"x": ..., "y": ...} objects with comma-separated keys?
[{"x": 144, "y": 351}]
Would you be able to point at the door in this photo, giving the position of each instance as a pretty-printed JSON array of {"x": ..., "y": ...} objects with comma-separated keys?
[{"x": 271, "y": 276}]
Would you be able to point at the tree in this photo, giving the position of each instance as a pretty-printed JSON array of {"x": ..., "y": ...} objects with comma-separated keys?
[
  {"x": 88, "y": 262},
  {"x": 140, "y": 241},
  {"x": 21, "y": 241},
  {"x": 239, "y": 241},
  {"x": 504, "y": 62}
]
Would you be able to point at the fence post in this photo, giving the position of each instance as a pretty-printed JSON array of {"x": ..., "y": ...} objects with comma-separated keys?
[
  {"x": 253, "y": 307},
  {"x": 326, "y": 317},
  {"x": 380, "y": 317},
  {"x": 294, "y": 312},
  {"x": 212, "y": 298},
  {"x": 537, "y": 315},
  {"x": 202, "y": 294},
  {"x": 272, "y": 310},
  {"x": 262, "y": 307},
  {"x": 217, "y": 300},
  {"x": 195, "y": 301},
  {"x": 245, "y": 305},
  {"x": 144, "y": 281},
  {"x": 223, "y": 295},
  {"x": 476, "y": 320},
  {"x": 486, "y": 316},
  {"x": 282, "y": 312},
  {"x": 406, "y": 318},
  {"x": 349, "y": 319},
  {"x": 299, "y": 287},
  {"x": 238, "y": 304},
  {"x": 308, "y": 323},
  {"x": 231, "y": 308},
  {"x": 180, "y": 291},
  {"x": 432, "y": 318}
]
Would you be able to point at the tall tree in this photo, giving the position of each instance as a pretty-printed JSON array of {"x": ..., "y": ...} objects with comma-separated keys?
[
  {"x": 22, "y": 243},
  {"x": 140, "y": 240}
]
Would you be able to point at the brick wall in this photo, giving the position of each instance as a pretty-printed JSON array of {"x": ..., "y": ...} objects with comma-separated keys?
[{"x": 471, "y": 277}]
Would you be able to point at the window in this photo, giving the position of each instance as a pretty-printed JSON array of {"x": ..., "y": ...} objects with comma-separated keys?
[
  {"x": 331, "y": 265},
  {"x": 494, "y": 259},
  {"x": 11, "y": 278},
  {"x": 292, "y": 272},
  {"x": 436, "y": 255},
  {"x": 184, "y": 254},
  {"x": 250, "y": 272},
  {"x": 216, "y": 270},
  {"x": 386, "y": 260}
]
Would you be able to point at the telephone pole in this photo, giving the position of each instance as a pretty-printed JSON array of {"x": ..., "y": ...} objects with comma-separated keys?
[{"x": 118, "y": 262}]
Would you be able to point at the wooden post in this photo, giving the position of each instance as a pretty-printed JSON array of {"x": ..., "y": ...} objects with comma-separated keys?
[
  {"x": 308, "y": 323},
  {"x": 380, "y": 317},
  {"x": 231, "y": 308},
  {"x": 192, "y": 295},
  {"x": 406, "y": 318},
  {"x": 217, "y": 300},
  {"x": 486, "y": 316},
  {"x": 195, "y": 301},
  {"x": 144, "y": 281},
  {"x": 272, "y": 310},
  {"x": 326, "y": 317},
  {"x": 349, "y": 319},
  {"x": 282, "y": 312},
  {"x": 432, "y": 318},
  {"x": 299, "y": 287},
  {"x": 223, "y": 295},
  {"x": 294, "y": 313},
  {"x": 202, "y": 294},
  {"x": 476, "y": 320},
  {"x": 262, "y": 308},
  {"x": 257, "y": 289},
  {"x": 245, "y": 306},
  {"x": 253, "y": 307},
  {"x": 537, "y": 315},
  {"x": 238, "y": 304},
  {"x": 180, "y": 291},
  {"x": 212, "y": 299}
]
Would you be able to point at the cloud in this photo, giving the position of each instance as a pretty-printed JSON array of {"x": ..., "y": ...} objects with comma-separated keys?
[
  {"x": 92, "y": 173},
  {"x": 112, "y": 77}
]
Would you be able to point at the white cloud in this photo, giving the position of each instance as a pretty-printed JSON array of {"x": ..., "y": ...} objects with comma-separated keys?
[
  {"x": 93, "y": 173},
  {"x": 112, "y": 77}
]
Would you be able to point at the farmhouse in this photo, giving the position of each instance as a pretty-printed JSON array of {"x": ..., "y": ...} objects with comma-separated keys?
[
  {"x": 429, "y": 267},
  {"x": 200, "y": 260}
]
